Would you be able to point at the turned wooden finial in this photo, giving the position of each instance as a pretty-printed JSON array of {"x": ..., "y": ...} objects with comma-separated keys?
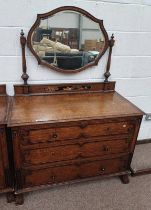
[
  {"x": 23, "y": 44},
  {"x": 107, "y": 73}
]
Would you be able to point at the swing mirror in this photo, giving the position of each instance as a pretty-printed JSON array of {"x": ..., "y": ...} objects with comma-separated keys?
[{"x": 68, "y": 39}]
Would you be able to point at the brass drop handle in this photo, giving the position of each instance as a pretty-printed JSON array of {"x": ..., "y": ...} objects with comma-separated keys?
[
  {"x": 55, "y": 135},
  {"x": 102, "y": 170},
  {"x": 106, "y": 148},
  {"x": 124, "y": 126}
]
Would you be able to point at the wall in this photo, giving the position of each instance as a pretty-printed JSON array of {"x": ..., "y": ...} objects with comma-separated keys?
[{"x": 131, "y": 63}]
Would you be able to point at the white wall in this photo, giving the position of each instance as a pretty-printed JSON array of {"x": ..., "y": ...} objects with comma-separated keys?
[{"x": 131, "y": 63}]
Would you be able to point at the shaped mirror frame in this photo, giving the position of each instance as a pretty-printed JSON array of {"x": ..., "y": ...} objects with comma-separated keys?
[{"x": 52, "y": 13}]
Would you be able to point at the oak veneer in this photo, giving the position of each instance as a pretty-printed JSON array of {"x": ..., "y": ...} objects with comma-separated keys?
[
  {"x": 69, "y": 133},
  {"x": 32, "y": 109},
  {"x": 6, "y": 178}
]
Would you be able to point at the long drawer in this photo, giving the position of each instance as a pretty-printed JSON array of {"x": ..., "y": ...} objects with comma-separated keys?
[
  {"x": 74, "y": 151},
  {"x": 82, "y": 130},
  {"x": 78, "y": 170}
]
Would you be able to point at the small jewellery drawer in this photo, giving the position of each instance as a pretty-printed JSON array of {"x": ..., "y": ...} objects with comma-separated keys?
[
  {"x": 74, "y": 171},
  {"x": 82, "y": 130},
  {"x": 74, "y": 151}
]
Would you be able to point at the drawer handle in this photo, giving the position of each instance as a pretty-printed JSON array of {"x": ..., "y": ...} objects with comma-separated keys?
[
  {"x": 83, "y": 124},
  {"x": 106, "y": 148},
  {"x": 55, "y": 135},
  {"x": 102, "y": 170}
]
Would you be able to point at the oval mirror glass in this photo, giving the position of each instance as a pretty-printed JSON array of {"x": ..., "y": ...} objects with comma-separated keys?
[{"x": 68, "y": 40}]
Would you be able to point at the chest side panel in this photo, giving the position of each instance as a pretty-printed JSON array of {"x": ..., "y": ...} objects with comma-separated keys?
[{"x": 3, "y": 158}]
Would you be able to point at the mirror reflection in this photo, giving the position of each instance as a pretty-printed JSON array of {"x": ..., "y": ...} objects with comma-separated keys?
[{"x": 68, "y": 40}]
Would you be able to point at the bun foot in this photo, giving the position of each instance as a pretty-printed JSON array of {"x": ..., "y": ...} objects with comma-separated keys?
[
  {"x": 10, "y": 197},
  {"x": 125, "y": 179},
  {"x": 19, "y": 199}
]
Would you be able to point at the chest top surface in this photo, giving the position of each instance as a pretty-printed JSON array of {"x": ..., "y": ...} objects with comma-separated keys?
[{"x": 68, "y": 107}]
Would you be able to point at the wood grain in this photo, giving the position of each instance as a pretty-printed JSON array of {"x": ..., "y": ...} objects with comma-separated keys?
[
  {"x": 76, "y": 171},
  {"x": 55, "y": 108},
  {"x": 64, "y": 133},
  {"x": 5, "y": 175}
]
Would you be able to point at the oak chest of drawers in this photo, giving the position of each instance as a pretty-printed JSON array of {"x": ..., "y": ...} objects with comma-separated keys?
[
  {"x": 6, "y": 176},
  {"x": 69, "y": 136}
]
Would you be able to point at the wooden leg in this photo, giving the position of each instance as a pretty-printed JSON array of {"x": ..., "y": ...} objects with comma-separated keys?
[
  {"x": 124, "y": 179},
  {"x": 10, "y": 197},
  {"x": 19, "y": 199}
]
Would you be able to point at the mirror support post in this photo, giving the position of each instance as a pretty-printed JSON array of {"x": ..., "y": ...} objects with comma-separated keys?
[
  {"x": 24, "y": 67},
  {"x": 107, "y": 73}
]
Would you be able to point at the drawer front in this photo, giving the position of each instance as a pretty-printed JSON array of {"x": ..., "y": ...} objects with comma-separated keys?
[
  {"x": 72, "y": 172},
  {"x": 79, "y": 150},
  {"x": 83, "y": 130}
]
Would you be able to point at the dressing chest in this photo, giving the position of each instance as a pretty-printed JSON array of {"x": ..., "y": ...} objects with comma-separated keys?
[
  {"x": 66, "y": 133},
  {"x": 71, "y": 135},
  {"x": 6, "y": 175}
]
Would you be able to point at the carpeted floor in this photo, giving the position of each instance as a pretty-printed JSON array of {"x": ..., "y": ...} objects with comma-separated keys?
[
  {"x": 142, "y": 157},
  {"x": 106, "y": 194}
]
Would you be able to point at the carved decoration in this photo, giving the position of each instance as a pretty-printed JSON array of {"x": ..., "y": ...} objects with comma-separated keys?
[{"x": 68, "y": 88}]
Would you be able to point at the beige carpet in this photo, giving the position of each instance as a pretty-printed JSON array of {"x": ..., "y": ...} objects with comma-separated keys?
[
  {"x": 106, "y": 194},
  {"x": 142, "y": 157}
]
